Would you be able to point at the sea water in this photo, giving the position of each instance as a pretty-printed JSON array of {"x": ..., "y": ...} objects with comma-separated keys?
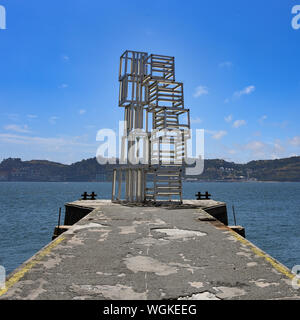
[{"x": 270, "y": 212}]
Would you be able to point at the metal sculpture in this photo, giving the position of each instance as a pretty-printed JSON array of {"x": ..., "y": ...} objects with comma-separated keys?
[{"x": 156, "y": 129}]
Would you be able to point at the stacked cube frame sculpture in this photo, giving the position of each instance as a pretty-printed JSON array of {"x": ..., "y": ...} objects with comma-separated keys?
[{"x": 154, "y": 143}]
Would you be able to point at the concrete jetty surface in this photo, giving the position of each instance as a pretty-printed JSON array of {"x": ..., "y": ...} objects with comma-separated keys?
[{"x": 143, "y": 252}]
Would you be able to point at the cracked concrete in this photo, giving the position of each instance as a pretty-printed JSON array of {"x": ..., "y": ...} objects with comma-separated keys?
[
  {"x": 138, "y": 252},
  {"x": 148, "y": 264},
  {"x": 229, "y": 292},
  {"x": 201, "y": 296},
  {"x": 179, "y": 234},
  {"x": 117, "y": 292}
]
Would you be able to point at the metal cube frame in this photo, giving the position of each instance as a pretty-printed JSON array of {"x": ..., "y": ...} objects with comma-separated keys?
[{"x": 148, "y": 90}]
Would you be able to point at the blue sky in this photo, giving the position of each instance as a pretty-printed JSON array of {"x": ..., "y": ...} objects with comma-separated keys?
[{"x": 239, "y": 61}]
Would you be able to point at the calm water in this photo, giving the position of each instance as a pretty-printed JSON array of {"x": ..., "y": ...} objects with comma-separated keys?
[{"x": 270, "y": 213}]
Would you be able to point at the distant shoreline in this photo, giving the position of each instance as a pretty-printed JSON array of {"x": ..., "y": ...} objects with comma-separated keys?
[
  {"x": 197, "y": 181},
  {"x": 89, "y": 170}
]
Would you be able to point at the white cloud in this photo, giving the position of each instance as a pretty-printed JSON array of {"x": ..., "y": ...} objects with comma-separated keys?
[
  {"x": 82, "y": 111},
  {"x": 63, "y": 86},
  {"x": 293, "y": 155},
  {"x": 262, "y": 150},
  {"x": 13, "y": 116},
  {"x": 228, "y": 118},
  {"x": 295, "y": 141},
  {"x": 278, "y": 147},
  {"x": 196, "y": 120},
  {"x": 239, "y": 123},
  {"x": 257, "y": 133},
  {"x": 244, "y": 91},
  {"x": 219, "y": 135},
  {"x": 262, "y": 119},
  {"x": 53, "y": 120},
  {"x": 54, "y": 143},
  {"x": 64, "y": 149},
  {"x": 17, "y": 128},
  {"x": 232, "y": 151},
  {"x": 281, "y": 125},
  {"x": 90, "y": 126},
  {"x": 200, "y": 91},
  {"x": 226, "y": 64},
  {"x": 65, "y": 57},
  {"x": 257, "y": 147},
  {"x": 32, "y": 116}
]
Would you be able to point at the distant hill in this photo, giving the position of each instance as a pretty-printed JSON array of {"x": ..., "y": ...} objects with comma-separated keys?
[{"x": 14, "y": 169}]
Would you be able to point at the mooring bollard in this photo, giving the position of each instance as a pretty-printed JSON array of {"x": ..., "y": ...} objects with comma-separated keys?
[
  {"x": 86, "y": 196},
  {"x": 200, "y": 196},
  {"x": 93, "y": 196}
]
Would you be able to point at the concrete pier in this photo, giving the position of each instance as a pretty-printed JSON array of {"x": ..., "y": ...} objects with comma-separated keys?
[{"x": 143, "y": 252}]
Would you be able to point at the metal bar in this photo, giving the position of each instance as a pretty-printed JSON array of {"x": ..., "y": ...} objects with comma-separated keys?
[
  {"x": 233, "y": 211},
  {"x": 59, "y": 215},
  {"x": 114, "y": 185},
  {"x": 120, "y": 184}
]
